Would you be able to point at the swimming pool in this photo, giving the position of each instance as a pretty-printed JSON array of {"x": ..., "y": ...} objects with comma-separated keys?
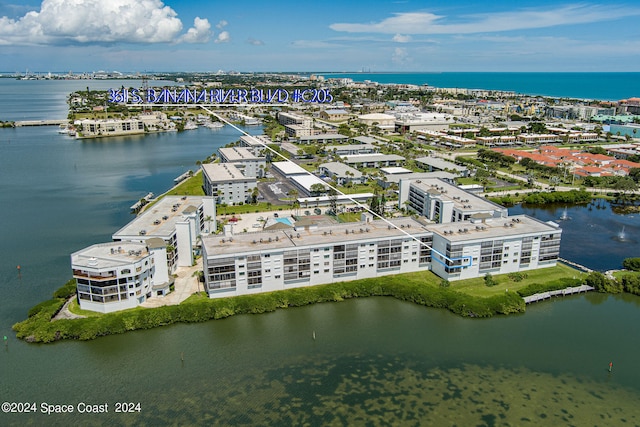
[{"x": 286, "y": 221}]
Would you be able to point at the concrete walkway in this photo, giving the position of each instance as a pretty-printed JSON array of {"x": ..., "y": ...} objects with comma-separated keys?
[{"x": 186, "y": 284}]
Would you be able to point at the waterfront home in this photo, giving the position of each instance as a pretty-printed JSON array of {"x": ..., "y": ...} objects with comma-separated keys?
[{"x": 120, "y": 275}]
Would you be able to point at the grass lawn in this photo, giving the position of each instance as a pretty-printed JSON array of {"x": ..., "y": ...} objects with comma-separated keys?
[
  {"x": 467, "y": 181},
  {"x": 74, "y": 308},
  {"x": 240, "y": 209},
  {"x": 349, "y": 217},
  {"x": 623, "y": 273},
  {"x": 189, "y": 187},
  {"x": 356, "y": 188},
  {"x": 476, "y": 287}
]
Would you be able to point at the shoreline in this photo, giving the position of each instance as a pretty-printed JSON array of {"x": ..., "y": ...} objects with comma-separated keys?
[{"x": 420, "y": 288}]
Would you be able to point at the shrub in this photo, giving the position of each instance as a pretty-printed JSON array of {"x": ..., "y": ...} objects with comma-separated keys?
[
  {"x": 489, "y": 280},
  {"x": 632, "y": 264},
  {"x": 67, "y": 290}
]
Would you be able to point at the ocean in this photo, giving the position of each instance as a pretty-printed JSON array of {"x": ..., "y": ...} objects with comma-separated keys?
[{"x": 598, "y": 86}]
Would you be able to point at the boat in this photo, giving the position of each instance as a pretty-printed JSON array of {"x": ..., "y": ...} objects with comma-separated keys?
[
  {"x": 215, "y": 125},
  {"x": 190, "y": 126}
]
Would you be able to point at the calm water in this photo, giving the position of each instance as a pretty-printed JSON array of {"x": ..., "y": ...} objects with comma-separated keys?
[
  {"x": 374, "y": 359},
  {"x": 47, "y": 99},
  {"x": 602, "y": 86},
  {"x": 592, "y": 235}
]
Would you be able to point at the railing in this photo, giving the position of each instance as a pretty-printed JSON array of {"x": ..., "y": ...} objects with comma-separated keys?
[{"x": 561, "y": 292}]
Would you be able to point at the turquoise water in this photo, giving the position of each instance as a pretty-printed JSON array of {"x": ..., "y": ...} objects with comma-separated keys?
[
  {"x": 285, "y": 221},
  {"x": 601, "y": 86}
]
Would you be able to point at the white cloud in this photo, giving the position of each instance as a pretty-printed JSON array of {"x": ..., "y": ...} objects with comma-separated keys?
[
  {"x": 223, "y": 37},
  {"x": 255, "y": 42},
  {"x": 100, "y": 21},
  {"x": 400, "y": 56},
  {"x": 429, "y": 23},
  {"x": 200, "y": 33},
  {"x": 313, "y": 44},
  {"x": 220, "y": 25},
  {"x": 399, "y": 38}
]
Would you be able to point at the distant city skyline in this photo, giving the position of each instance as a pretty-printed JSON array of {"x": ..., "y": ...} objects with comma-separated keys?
[{"x": 207, "y": 36}]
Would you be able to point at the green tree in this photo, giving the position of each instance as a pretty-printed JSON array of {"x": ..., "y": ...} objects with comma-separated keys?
[
  {"x": 333, "y": 200},
  {"x": 632, "y": 264},
  {"x": 489, "y": 280},
  {"x": 600, "y": 283},
  {"x": 317, "y": 189}
]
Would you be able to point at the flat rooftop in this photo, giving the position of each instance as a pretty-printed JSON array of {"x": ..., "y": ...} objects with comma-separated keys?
[
  {"x": 341, "y": 169},
  {"x": 306, "y": 181},
  {"x": 109, "y": 255},
  {"x": 289, "y": 168},
  {"x": 300, "y": 237},
  {"x": 492, "y": 228},
  {"x": 373, "y": 157},
  {"x": 395, "y": 170},
  {"x": 237, "y": 154},
  {"x": 463, "y": 200},
  {"x": 350, "y": 147},
  {"x": 160, "y": 220},
  {"x": 440, "y": 163},
  {"x": 223, "y": 172}
]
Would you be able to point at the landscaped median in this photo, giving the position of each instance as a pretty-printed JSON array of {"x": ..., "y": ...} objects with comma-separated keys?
[{"x": 469, "y": 298}]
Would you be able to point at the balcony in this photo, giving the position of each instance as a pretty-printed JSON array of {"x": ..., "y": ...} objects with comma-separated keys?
[{"x": 110, "y": 275}]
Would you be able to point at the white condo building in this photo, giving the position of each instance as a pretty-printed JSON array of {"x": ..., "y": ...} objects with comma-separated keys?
[
  {"x": 178, "y": 221},
  {"x": 442, "y": 202},
  {"x": 119, "y": 275},
  {"x": 226, "y": 183},
  {"x": 249, "y": 164},
  {"x": 305, "y": 256},
  {"x": 493, "y": 245}
]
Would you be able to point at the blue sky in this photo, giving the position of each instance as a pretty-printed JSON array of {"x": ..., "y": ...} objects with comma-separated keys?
[{"x": 283, "y": 35}]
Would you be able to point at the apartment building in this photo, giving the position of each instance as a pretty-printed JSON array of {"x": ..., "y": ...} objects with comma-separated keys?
[{"x": 226, "y": 183}]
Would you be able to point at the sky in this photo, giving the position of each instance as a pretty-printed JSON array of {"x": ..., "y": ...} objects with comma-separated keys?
[{"x": 308, "y": 36}]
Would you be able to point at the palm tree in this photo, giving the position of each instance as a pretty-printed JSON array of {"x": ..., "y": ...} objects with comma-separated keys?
[{"x": 293, "y": 194}]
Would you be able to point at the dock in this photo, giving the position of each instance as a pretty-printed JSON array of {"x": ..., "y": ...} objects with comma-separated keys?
[
  {"x": 182, "y": 177},
  {"x": 139, "y": 204},
  {"x": 575, "y": 265},
  {"x": 41, "y": 122},
  {"x": 560, "y": 292}
]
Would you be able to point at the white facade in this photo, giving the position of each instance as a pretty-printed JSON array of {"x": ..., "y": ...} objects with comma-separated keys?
[
  {"x": 442, "y": 202},
  {"x": 294, "y": 119},
  {"x": 305, "y": 256},
  {"x": 178, "y": 221},
  {"x": 296, "y": 125},
  {"x": 255, "y": 143},
  {"x": 226, "y": 183},
  {"x": 114, "y": 276},
  {"x": 99, "y": 128},
  {"x": 341, "y": 173},
  {"x": 249, "y": 164},
  {"x": 495, "y": 246},
  {"x": 275, "y": 260}
]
